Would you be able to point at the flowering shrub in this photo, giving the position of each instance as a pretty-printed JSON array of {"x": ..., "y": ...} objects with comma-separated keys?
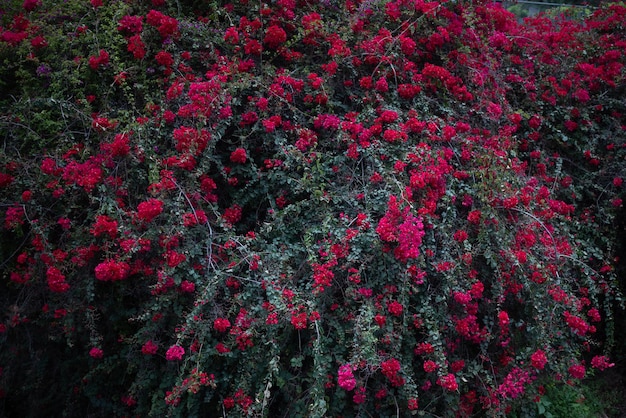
[{"x": 305, "y": 208}]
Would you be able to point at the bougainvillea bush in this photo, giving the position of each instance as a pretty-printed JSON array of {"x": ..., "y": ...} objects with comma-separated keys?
[{"x": 305, "y": 208}]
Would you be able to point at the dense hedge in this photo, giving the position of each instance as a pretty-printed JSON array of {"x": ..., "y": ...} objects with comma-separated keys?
[{"x": 302, "y": 208}]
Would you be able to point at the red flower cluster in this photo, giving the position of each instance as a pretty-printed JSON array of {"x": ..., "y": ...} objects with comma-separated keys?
[
  {"x": 403, "y": 228},
  {"x": 5, "y": 180},
  {"x": 120, "y": 147},
  {"x": 164, "y": 58},
  {"x": 87, "y": 175},
  {"x": 430, "y": 366},
  {"x": 601, "y": 363},
  {"x": 174, "y": 258},
  {"x": 131, "y": 24},
  {"x": 150, "y": 209},
  {"x": 514, "y": 383},
  {"x": 448, "y": 382},
  {"x": 239, "y": 156},
  {"x": 577, "y": 324},
  {"x": 112, "y": 270},
  {"x": 136, "y": 47},
  {"x": 102, "y": 124},
  {"x": 56, "y": 280},
  {"x": 299, "y": 320},
  {"x": 166, "y": 25},
  {"x": 104, "y": 226},
  {"x": 231, "y": 35},
  {"x": 274, "y": 36},
  {"x": 102, "y": 59},
  {"x": 30, "y": 5},
  {"x": 221, "y": 324},
  {"x": 14, "y": 217},
  {"x": 323, "y": 275},
  {"x": 538, "y": 359},
  {"x": 390, "y": 368},
  {"x": 577, "y": 371},
  {"x": 190, "y": 140},
  {"x": 191, "y": 384},
  {"x": 464, "y": 195},
  {"x": 232, "y": 215},
  {"x": 194, "y": 218},
  {"x": 149, "y": 348},
  {"x": 395, "y": 308}
]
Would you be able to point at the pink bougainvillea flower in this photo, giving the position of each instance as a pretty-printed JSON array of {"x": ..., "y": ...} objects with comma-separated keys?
[
  {"x": 359, "y": 396},
  {"x": 514, "y": 384},
  {"x": 149, "y": 348},
  {"x": 494, "y": 110},
  {"x": 30, "y": 5},
  {"x": 175, "y": 353},
  {"x": 96, "y": 353},
  {"x": 601, "y": 363},
  {"x": 345, "y": 378}
]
